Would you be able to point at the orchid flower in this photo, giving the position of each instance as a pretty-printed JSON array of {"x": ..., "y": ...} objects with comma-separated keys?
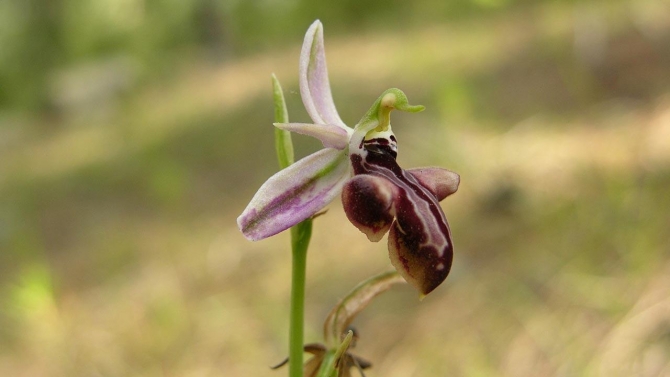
[{"x": 360, "y": 163}]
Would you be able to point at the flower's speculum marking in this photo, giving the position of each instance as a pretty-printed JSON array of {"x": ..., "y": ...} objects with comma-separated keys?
[{"x": 381, "y": 144}]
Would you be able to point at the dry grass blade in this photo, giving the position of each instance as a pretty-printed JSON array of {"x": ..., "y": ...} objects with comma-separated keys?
[{"x": 344, "y": 312}]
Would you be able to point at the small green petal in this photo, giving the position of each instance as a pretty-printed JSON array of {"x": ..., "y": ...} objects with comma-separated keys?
[{"x": 283, "y": 142}]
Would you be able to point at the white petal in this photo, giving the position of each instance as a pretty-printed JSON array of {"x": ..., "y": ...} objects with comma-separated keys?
[
  {"x": 295, "y": 194},
  {"x": 331, "y": 136},
  {"x": 314, "y": 84}
]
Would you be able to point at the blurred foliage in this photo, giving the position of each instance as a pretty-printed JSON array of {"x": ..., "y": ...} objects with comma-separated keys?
[
  {"x": 132, "y": 133},
  {"x": 39, "y": 38}
]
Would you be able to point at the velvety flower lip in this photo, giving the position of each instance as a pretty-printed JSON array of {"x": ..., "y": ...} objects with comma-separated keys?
[{"x": 379, "y": 196}]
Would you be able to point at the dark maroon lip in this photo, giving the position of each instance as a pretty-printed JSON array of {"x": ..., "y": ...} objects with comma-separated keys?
[{"x": 424, "y": 255}]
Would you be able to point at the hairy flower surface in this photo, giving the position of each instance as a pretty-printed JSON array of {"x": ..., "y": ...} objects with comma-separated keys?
[{"x": 360, "y": 163}]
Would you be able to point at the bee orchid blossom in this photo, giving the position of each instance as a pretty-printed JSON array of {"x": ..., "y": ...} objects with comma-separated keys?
[{"x": 360, "y": 163}]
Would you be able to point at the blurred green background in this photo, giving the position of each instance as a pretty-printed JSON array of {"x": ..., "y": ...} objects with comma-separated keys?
[{"x": 133, "y": 132}]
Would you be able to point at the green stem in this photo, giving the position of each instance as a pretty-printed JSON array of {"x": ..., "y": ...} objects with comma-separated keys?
[{"x": 300, "y": 236}]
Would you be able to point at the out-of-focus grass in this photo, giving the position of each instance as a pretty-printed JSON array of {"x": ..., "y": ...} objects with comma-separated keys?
[{"x": 120, "y": 254}]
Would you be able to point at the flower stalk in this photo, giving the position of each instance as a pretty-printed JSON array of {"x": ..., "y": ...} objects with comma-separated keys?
[{"x": 300, "y": 237}]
